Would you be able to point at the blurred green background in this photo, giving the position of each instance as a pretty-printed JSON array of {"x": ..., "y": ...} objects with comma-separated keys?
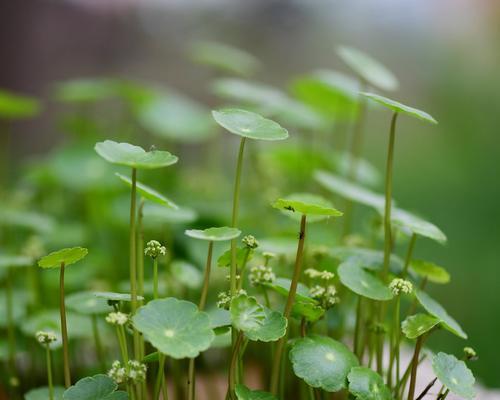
[{"x": 445, "y": 54}]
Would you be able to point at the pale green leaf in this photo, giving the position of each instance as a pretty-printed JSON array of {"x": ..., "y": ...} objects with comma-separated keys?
[
  {"x": 155, "y": 214},
  {"x": 113, "y": 296},
  {"x": 67, "y": 256},
  {"x": 42, "y": 393},
  {"x": 308, "y": 204},
  {"x": 405, "y": 220},
  {"x": 367, "y": 258},
  {"x": 362, "y": 282},
  {"x": 430, "y": 271},
  {"x": 87, "y": 303},
  {"x": 454, "y": 375},
  {"x": 186, "y": 274},
  {"x": 418, "y": 324},
  {"x": 97, "y": 387},
  {"x": 15, "y": 261},
  {"x": 244, "y": 393},
  {"x": 148, "y": 192},
  {"x": 366, "y": 384},
  {"x": 217, "y": 234}
]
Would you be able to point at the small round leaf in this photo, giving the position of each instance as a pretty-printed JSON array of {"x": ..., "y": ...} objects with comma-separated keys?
[
  {"x": 156, "y": 214},
  {"x": 322, "y": 362},
  {"x": 432, "y": 272},
  {"x": 418, "y": 324},
  {"x": 454, "y": 374},
  {"x": 218, "y": 234},
  {"x": 405, "y": 220},
  {"x": 97, "y": 387},
  {"x": 362, "y": 282},
  {"x": 308, "y": 204},
  {"x": 149, "y": 193},
  {"x": 87, "y": 303},
  {"x": 67, "y": 256},
  {"x": 133, "y": 156},
  {"x": 366, "y": 384},
  {"x": 398, "y": 107},
  {"x": 175, "y": 327},
  {"x": 42, "y": 393},
  {"x": 437, "y": 310},
  {"x": 244, "y": 393},
  {"x": 249, "y": 125},
  {"x": 367, "y": 258}
]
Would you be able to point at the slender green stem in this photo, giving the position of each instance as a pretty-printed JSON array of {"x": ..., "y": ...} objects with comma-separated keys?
[
  {"x": 49, "y": 372},
  {"x": 159, "y": 377},
  {"x": 140, "y": 249},
  {"x": 155, "y": 278},
  {"x": 98, "y": 342},
  {"x": 414, "y": 366},
  {"x": 275, "y": 371},
  {"x": 133, "y": 259},
  {"x": 394, "y": 351},
  {"x": 242, "y": 269},
  {"x": 357, "y": 326},
  {"x": 401, "y": 385},
  {"x": 266, "y": 296},
  {"x": 232, "y": 366},
  {"x": 234, "y": 216},
  {"x": 11, "y": 334},
  {"x": 122, "y": 341},
  {"x": 388, "y": 198},
  {"x": 409, "y": 254},
  {"x": 64, "y": 328}
]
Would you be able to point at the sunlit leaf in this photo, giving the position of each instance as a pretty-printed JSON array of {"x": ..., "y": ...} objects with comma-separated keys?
[
  {"x": 418, "y": 324},
  {"x": 67, "y": 256},
  {"x": 309, "y": 204},
  {"x": 242, "y": 254},
  {"x": 149, "y": 193},
  {"x": 368, "y": 69},
  {"x": 367, "y": 258},
  {"x": 430, "y": 271},
  {"x": 454, "y": 375},
  {"x": 322, "y": 362},
  {"x": 400, "y": 108},
  {"x": 175, "y": 327},
  {"x": 222, "y": 233},
  {"x": 405, "y": 220},
  {"x": 244, "y": 393},
  {"x": 362, "y": 282},
  {"x": 366, "y": 384},
  {"x": 133, "y": 156},
  {"x": 249, "y": 125},
  {"x": 97, "y": 387}
]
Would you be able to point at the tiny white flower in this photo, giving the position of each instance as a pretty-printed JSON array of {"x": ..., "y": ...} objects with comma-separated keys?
[
  {"x": 250, "y": 242},
  {"x": 399, "y": 285},
  {"x": 154, "y": 249},
  {"x": 260, "y": 274},
  {"x": 117, "y": 318},
  {"x": 45, "y": 337}
]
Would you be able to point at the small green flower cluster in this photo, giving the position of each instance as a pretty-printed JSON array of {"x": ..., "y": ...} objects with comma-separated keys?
[
  {"x": 250, "y": 242},
  {"x": 154, "y": 249},
  {"x": 134, "y": 372},
  {"x": 322, "y": 275},
  {"x": 45, "y": 337},
  {"x": 224, "y": 298},
  {"x": 399, "y": 286},
  {"x": 117, "y": 318},
  {"x": 325, "y": 295},
  {"x": 261, "y": 275}
]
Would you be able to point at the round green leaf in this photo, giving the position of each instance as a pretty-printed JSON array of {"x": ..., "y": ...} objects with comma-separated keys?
[
  {"x": 156, "y": 214},
  {"x": 362, "y": 282},
  {"x": 244, "y": 393},
  {"x": 418, "y": 324},
  {"x": 311, "y": 311},
  {"x": 367, "y": 258},
  {"x": 249, "y": 125},
  {"x": 87, "y": 303},
  {"x": 148, "y": 192},
  {"x": 67, "y": 256},
  {"x": 430, "y": 271},
  {"x": 113, "y": 296},
  {"x": 12, "y": 261},
  {"x": 437, "y": 310},
  {"x": 133, "y": 156},
  {"x": 308, "y": 204},
  {"x": 400, "y": 108},
  {"x": 368, "y": 69},
  {"x": 242, "y": 254},
  {"x": 42, "y": 393},
  {"x": 366, "y": 384},
  {"x": 405, "y": 220},
  {"x": 349, "y": 190},
  {"x": 454, "y": 374},
  {"x": 218, "y": 234},
  {"x": 322, "y": 362},
  {"x": 186, "y": 274},
  {"x": 224, "y": 58},
  {"x": 175, "y": 327},
  {"x": 97, "y": 387},
  {"x": 255, "y": 320},
  {"x": 14, "y": 106}
]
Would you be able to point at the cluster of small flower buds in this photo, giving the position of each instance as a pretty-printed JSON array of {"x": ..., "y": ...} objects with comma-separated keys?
[
  {"x": 250, "y": 242},
  {"x": 154, "y": 249},
  {"x": 45, "y": 337},
  {"x": 268, "y": 255},
  {"x": 134, "y": 372},
  {"x": 326, "y": 296},
  {"x": 470, "y": 353},
  {"x": 224, "y": 298},
  {"x": 117, "y": 318},
  {"x": 322, "y": 275},
  {"x": 399, "y": 285},
  {"x": 260, "y": 275}
]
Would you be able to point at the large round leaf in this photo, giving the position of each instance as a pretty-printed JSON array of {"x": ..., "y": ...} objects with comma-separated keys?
[
  {"x": 316, "y": 206},
  {"x": 400, "y": 108},
  {"x": 418, "y": 324},
  {"x": 97, "y": 387},
  {"x": 244, "y": 393},
  {"x": 255, "y": 320},
  {"x": 369, "y": 69},
  {"x": 175, "y": 327},
  {"x": 454, "y": 374},
  {"x": 14, "y": 106},
  {"x": 322, "y": 362},
  {"x": 218, "y": 234},
  {"x": 67, "y": 256},
  {"x": 362, "y": 282},
  {"x": 42, "y": 393},
  {"x": 87, "y": 303},
  {"x": 349, "y": 190},
  {"x": 133, "y": 156},
  {"x": 366, "y": 384},
  {"x": 437, "y": 310},
  {"x": 249, "y": 124},
  {"x": 430, "y": 271},
  {"x": 416, "y": 225},
  {"x": 149, "y": 193}
]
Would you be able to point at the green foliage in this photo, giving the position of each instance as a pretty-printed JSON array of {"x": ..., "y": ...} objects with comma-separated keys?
[
  {"x": 97, "y": 387},
  {"x": 64, "y": 256},
  {"x": 454, "y": 375},
  {"x": 362, "y": 282},
  {"x": 15, "y": 106},
  {"x": 406, "y": 221},
  {"x": 416, "y": 325},
  {"x": 430, "y": 271},
  {"x": 307, "y": 204},
  {"x": 244, "y": 393},
  {"x": 322, "y": 362},
  {"x": 149, "y": 193},
  {"x": 218, "y": 234},
  {"x": 366, "y": 384},
  {"x": 113, "y": 296},
  {"x": 42, "y": 393},
  {"x": 87, "y": 303}
]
